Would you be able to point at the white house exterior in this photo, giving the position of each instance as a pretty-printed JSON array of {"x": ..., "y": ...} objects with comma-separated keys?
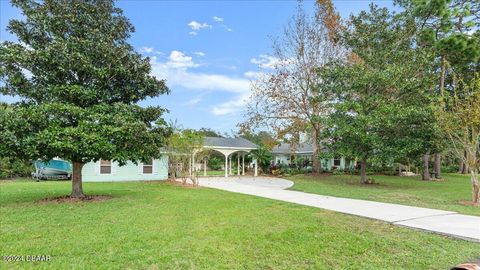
[{"x": 286, "y": 154}]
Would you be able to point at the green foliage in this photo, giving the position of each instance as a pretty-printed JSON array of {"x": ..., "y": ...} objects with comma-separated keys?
[
  {"x": 183, "y": 148},
  {"x": 215, "y": 163},
  {"x": 207, "y": 132},
  {"x": 13, "y": 167},
  {"x": 451, "y": 29},
  {"x": 79, "y": 81},
  {"x": 259, "y": 138},
  {"x": 264, "y": 157},
  {"x": 381, "y": 109},
  {"x": 450, "y": 169}
]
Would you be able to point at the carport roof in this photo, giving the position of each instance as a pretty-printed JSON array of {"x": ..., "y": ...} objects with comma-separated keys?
[{"x": 220, "y": 142}]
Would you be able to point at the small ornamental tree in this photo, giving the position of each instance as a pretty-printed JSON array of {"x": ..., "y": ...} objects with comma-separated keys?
[
  {"x": 183, "y": 148},
  {"x": 460, "y": 119},
  {"x": 264, "y": 157},
  {"x": 79, "y": 82}
]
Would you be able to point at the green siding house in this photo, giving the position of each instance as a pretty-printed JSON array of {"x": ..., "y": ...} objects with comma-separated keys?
[{"x": 107, "y": 171}]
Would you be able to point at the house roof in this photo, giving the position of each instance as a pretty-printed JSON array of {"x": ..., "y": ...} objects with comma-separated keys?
[
  {"x": 286, "y": 148},
  {"x": 229, "y": 143}
]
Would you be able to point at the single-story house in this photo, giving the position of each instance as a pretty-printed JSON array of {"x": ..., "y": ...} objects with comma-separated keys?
[
  {"x": 108, "y": 171},
  {"x": 157, "y": 169},
  {"x": 287, "y": 154}
]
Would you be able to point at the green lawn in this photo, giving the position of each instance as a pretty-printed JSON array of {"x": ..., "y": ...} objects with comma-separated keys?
[
  {"x": 160, "y": 226},
  {"x": 446, "y": 195},
  {"x": 217, "y": 172}
]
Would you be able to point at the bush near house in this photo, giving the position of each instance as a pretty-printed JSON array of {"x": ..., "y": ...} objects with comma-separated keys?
[
  {"x": 12, "y": 167},
  {"x": 215, "y": 163}
]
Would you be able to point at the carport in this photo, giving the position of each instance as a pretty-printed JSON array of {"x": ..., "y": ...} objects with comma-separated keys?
[{"x": 227, "y": 147}]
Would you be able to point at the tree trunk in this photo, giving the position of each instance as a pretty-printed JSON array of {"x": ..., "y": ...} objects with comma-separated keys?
[
  {"x": 443, "y": 70},
  {"x": 438, "y": 165},
  {"x": 363, "y": 172},
  {"x": 465, "y": 169},
  {"x": 460, "y": 167},
  {"x": 475, "y": 187},
  {"x": 316, "y": 164},
  {"x": 426, "y": 173},
  {"x": 77, "y": 190}
]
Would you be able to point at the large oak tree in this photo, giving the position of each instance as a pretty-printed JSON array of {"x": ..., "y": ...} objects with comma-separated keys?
[
  {"x": 379, "y": 92},
  {"x": 79, "y": 82}
]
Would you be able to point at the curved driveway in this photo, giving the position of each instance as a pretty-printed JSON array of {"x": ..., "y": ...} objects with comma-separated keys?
[{"x": 438, "y": 221}]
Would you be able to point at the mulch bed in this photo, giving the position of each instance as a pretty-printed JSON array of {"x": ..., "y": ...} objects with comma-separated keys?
[
  {"x": 68, "y": 199},
  {"x": 470, "y": 203}
]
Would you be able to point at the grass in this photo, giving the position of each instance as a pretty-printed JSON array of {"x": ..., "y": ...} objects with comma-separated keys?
[
  {"x": 217, "y": 172},
  {"x": 155, "y": 225},
  {"x": 446, "y": 195}
]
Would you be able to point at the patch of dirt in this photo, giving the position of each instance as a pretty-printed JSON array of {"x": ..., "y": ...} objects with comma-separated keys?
[
  {"x": 470, "y": 203},
  {"x": 180, "y": 184},
  {"x": 68, "y": 199}
]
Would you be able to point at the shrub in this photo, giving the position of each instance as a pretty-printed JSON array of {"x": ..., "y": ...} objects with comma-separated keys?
[
  {"x": 450, "y": 169},
  {"x": 12, "y": 167},
  {"x": 215, "y": 163}
]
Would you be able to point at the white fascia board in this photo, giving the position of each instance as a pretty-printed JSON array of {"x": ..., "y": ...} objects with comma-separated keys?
[{"x": 228, "y": 147}]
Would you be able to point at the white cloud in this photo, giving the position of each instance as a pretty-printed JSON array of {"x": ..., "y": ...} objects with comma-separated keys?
[
  {"x": 193, "y": 33},
  {"x": 217, "y": 19},
  {"x": 179, "y": 71},
  {"x": 231, "y": 106},
  {"x": 193, "y": 101},
  {"x": 265, "y": 61},
  {"x": 201, "y": 54},
  {"x": 176, "y": 70},
  {"x": 150, "y": 50},
  {"x": 198, "y": 26},
  {"x": 253, "y": 74},
  {"x": 146, "y": 49},
  {"x": 179, "y": 60}
]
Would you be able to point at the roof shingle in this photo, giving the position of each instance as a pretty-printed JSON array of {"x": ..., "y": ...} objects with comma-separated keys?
[{"x": 229, "y": 142}]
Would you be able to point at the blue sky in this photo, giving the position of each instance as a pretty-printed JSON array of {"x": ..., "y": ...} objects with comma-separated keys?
[{"x": 205, "y": 50}]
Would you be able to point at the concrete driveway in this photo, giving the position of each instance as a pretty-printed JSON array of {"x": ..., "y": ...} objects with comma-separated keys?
[{"x": 437, "y": 221}]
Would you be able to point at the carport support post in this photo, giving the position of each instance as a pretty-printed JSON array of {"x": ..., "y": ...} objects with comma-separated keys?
[
  {"x": 256, "y": 168},
  {"x": 226, "y": 166},
  {"x": 243, "y": 164},
  {"x": 238, "y": 164}
]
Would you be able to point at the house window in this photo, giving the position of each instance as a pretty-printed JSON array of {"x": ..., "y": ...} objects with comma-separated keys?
[
  {"x": 336, "y": 162},
  {"x": 105, "y": 166},
  {"x": 148, "y": 167}
]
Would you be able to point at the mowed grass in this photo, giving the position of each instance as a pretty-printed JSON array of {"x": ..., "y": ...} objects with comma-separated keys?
[
  {"x": 449, "y": 194},
  {"x": 161, "y": 226}
]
